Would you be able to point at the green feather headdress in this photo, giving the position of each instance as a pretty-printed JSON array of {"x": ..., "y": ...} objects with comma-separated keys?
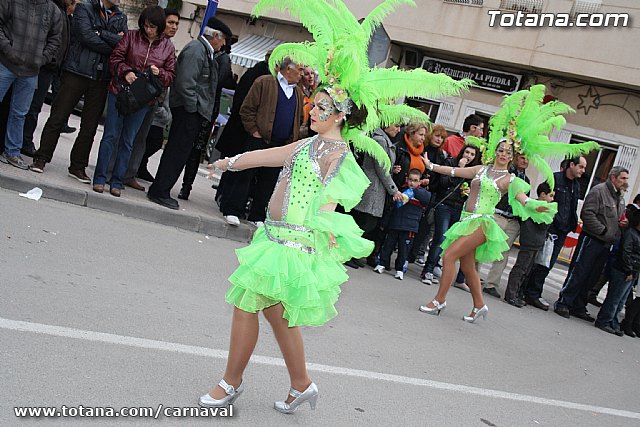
[
  {"x": 524, "y": 122},
  {"x": 339, "y": 53}
]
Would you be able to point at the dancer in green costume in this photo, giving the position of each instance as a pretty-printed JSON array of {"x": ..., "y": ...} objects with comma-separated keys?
[
  {"x": 292, "y": 270},
  {"x": 522, "y": 126}
]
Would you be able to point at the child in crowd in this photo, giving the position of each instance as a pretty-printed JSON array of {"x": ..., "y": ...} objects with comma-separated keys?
[
  {"x": 532, "y": 239},
  {"x": 623, "y": 273},
  {"x": 404, "y": 223}
]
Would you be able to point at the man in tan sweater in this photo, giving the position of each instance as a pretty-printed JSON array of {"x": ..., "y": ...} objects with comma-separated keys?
[{"x": 272, "y": 115}]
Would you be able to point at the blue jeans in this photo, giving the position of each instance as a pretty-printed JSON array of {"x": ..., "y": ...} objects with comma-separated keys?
[
  {"x": 119, "y": 133},
  {"x": 23, "y": 89},
  {"x": 445, "y": 216},
  {"x": 400, "y": 239},
  {"x": 617, "y": 294}
]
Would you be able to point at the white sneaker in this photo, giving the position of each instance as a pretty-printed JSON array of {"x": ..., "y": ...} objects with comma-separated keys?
[
  {"x": 379, "y": 269},
  {"x": 437, "y": 271},
  {"x": 256, "y": 224},
  {"x": 420, "y": 261},
  {"x": 428, "y": 279},
  {"x": 232, "y": 220},
  {"x": 399, "y": 275},
  {"x": 462, "y": 286}
]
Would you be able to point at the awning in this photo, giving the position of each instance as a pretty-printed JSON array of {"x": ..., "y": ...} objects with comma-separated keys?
[{"x": 251, "y": 50}]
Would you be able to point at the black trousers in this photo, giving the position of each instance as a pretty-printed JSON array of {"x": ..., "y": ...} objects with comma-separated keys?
[
  {"x": 367, "y": 223},
  {"x": 184, "y": 130},
  {"x": 585, "y": 269},
  {"x": 260, "y": 182},
  {"x": 45, "y": 76},
  {"x": 72, "y": 87},
  {"x": 191, "y": 168}
]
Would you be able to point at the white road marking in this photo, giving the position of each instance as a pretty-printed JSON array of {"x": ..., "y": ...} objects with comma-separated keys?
[{"x": 60, "y": 331}]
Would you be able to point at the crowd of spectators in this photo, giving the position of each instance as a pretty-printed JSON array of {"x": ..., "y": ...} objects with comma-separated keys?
[{"x": 88, "y": 49}]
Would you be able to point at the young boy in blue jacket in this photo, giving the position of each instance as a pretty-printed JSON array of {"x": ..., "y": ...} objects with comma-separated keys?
[{"x": 403, "y": 224}]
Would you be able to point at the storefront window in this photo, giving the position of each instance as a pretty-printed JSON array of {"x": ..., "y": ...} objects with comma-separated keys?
[{"x": 430, "y": 108}]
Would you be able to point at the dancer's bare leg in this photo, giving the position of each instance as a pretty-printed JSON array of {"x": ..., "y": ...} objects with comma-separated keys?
[
  {"x": 291, "y": 346},
  {"x": 244, "y": 336},
  {"x": 462, "y": 246},
  {"x": 468, "y": 267}
]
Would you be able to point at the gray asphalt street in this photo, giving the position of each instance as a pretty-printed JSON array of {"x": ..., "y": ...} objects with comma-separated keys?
[{"x": 97, "y": 309}]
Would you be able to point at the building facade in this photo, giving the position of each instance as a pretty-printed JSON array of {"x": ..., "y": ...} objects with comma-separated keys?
[{"x": 594, "y": 70}]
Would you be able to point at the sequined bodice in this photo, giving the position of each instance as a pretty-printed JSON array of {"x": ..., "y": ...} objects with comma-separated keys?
[
  {"x": 312, "y": 163},
  {"x": 304, "y": 172},
  {"x": 484, "y": 192}
]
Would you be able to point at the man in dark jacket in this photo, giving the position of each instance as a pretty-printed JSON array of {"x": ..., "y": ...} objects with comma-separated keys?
[
  {"x": 30, "y": 35},
  {"x": 566, "y": 195},
  {"x": 97, "y": 27},
  {"x": 601, "y": 213},
  {"x": 200, "y": 145},
  {"x": 45, "y": 77},
  {"x": 192, "y": 99}
]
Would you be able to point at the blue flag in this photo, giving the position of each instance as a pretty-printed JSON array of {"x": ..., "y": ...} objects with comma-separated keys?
[{"x": 212, "y": 6}]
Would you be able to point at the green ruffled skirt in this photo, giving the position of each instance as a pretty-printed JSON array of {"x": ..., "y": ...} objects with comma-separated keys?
[
  {"x": 496, "y": 239},
  {"x": 306, "y": 284}
]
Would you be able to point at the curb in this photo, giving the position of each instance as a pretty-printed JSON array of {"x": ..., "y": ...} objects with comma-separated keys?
[{"x": 210, "y": 226}]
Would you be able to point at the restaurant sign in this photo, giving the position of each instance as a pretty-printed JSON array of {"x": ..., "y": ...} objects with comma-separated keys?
[{"x": 485, "y": 78}]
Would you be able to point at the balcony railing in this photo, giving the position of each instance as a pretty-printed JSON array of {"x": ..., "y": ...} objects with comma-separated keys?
[{"x": 526, "y": 6}]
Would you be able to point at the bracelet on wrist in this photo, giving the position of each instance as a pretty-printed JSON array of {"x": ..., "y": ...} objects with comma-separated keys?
[
  {"x": 453, "y": 172},
  {"x": 232, "y": 161}
]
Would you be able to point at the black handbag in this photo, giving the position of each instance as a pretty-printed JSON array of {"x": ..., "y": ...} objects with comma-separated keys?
[{"x": 133, "y": 97}]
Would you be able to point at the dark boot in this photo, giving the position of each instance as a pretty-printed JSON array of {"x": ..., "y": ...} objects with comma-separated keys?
[
  {"x": 143, "y": 173},
  {"x": 184, "y": 193},
  {"x": 28, "y": 150}
]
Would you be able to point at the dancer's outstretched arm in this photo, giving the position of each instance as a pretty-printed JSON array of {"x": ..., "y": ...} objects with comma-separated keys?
[
  {"x": 467, "y": 173},
  {"x": 269, "y": 157}
]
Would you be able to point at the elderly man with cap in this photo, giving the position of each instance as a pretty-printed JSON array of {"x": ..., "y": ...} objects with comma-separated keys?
[{"x": 191, "y": 99}]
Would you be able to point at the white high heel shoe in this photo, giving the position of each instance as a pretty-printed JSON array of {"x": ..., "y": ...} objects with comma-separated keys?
[
  {"x": 435, "y": 310},
  {"x": 476, "y": 313},
  {"x": 232, "y": 394},
  {"x": 310, "y": 394}
]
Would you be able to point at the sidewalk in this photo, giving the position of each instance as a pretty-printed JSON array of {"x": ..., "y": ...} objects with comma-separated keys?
[{"x": 199, "y": 213}]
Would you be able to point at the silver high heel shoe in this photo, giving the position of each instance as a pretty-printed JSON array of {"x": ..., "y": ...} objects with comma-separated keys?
[
  {"x": 232, "y": 394},
  {"x": 310, "y": 394},
  {"x": 435, "y": 310},
  {"x": 475, "y": 313}
]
